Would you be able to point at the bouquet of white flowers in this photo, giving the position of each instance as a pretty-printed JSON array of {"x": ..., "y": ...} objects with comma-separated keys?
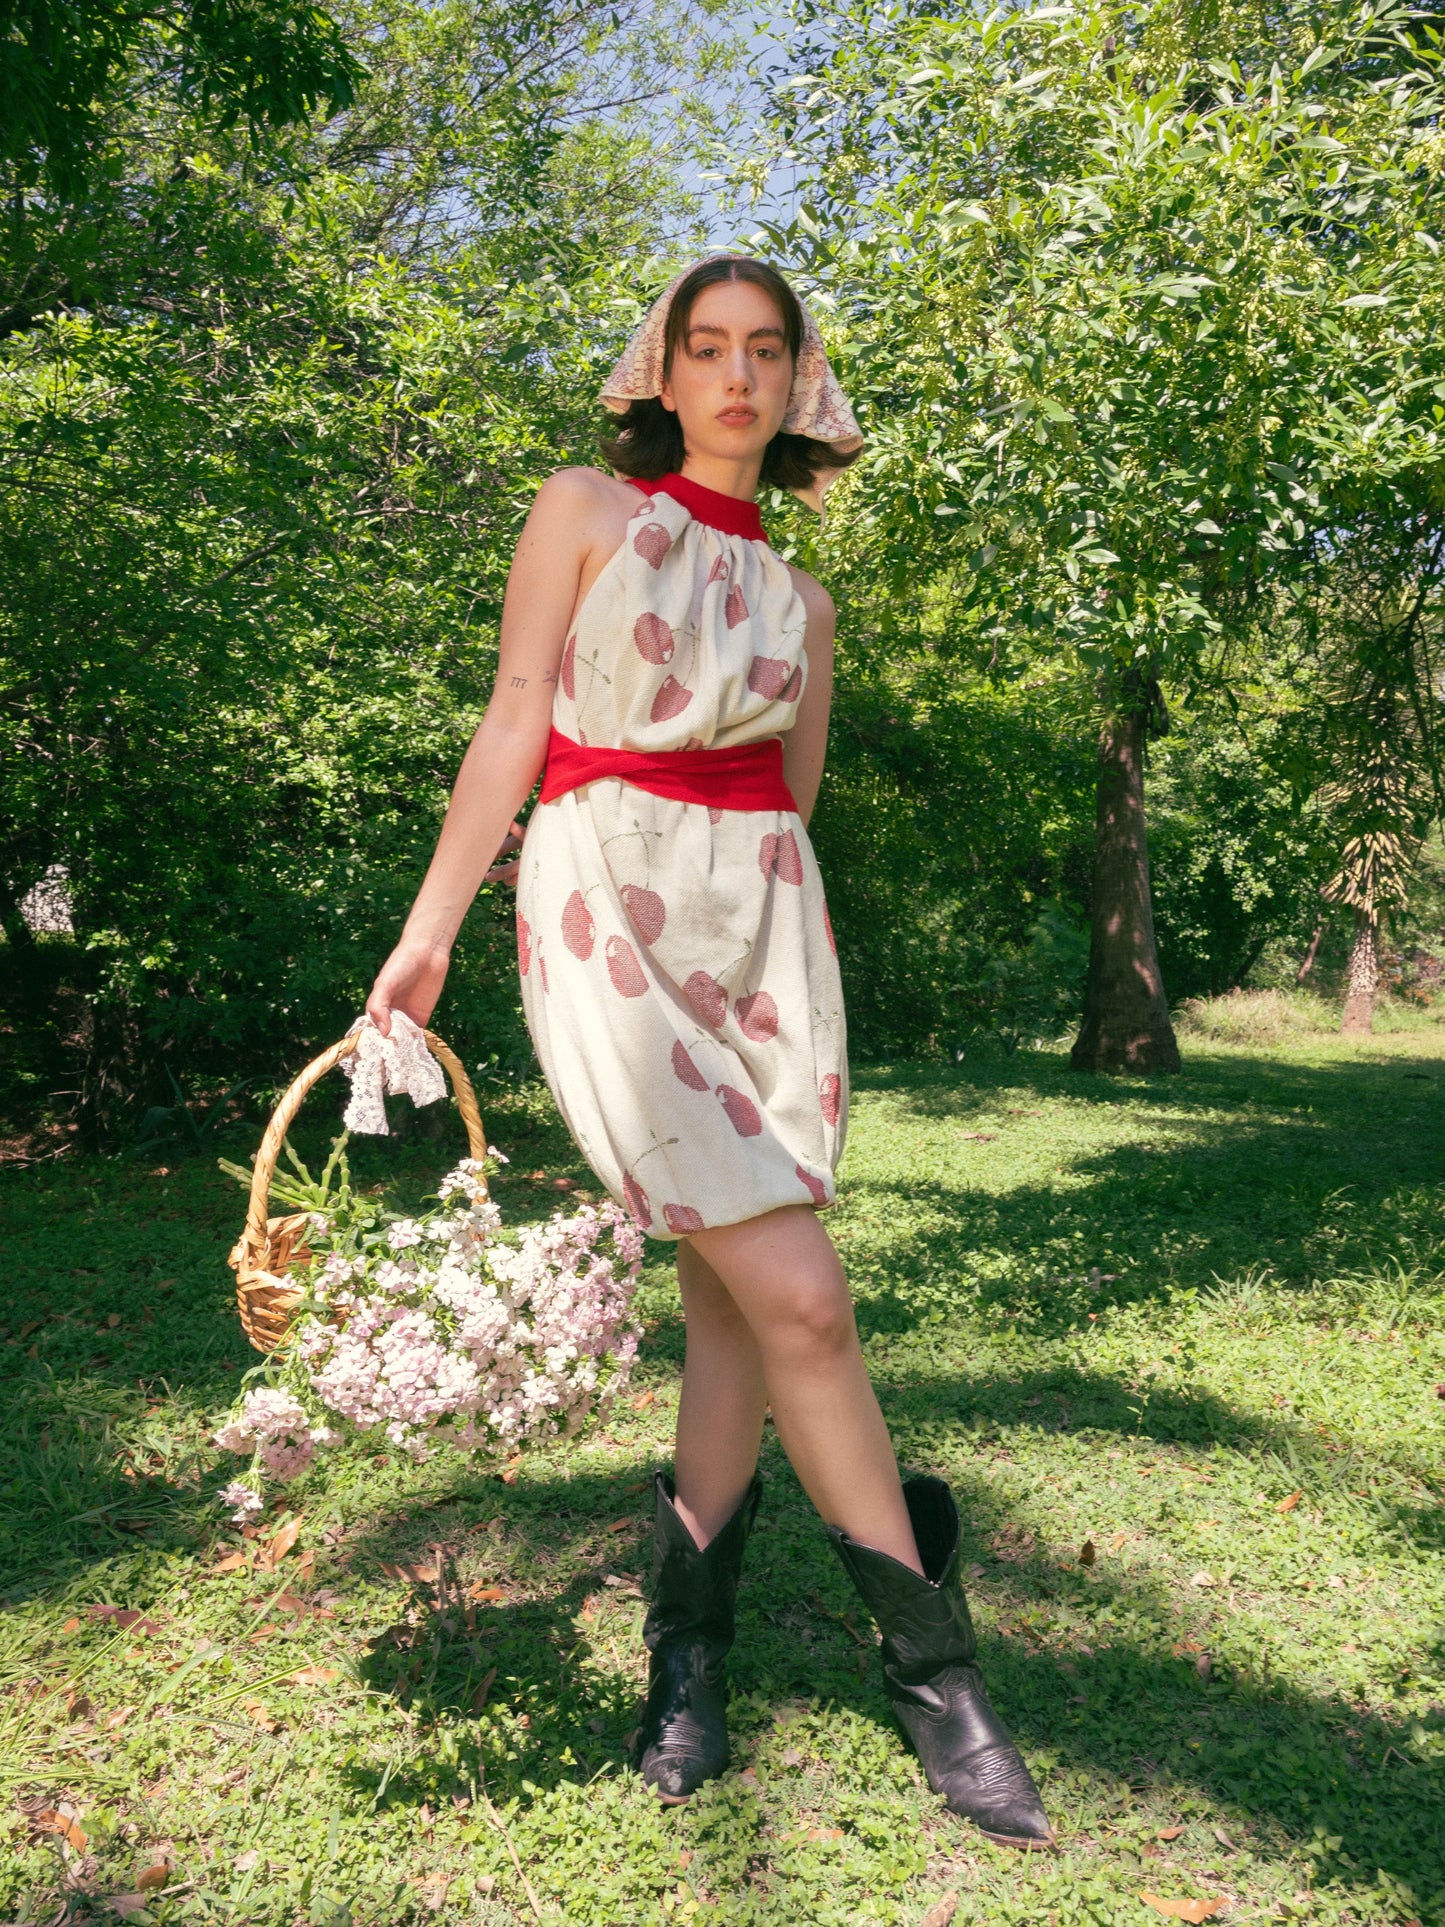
[{"x": 442, "y": 1328}]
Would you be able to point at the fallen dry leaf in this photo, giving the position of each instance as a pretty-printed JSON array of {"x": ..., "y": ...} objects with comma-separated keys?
[
  {"x": 479, "y": 1698},
  {"x": 244, "y": 1862},
  {"x": 1186, "y": 1909},
  {"x": 72, "y": 1625},
  {"x": 153, "y": 1877},
  {"x": 118, "y": 1720},
  {"x": 306, "y": 1561},
  {"x": 620, "y": 1525},
  {"x": 78, "y": 1707},
  {"x": 641, "y": 1403},
  {"x": 233, "y": 1562},
  {"x": 416, "y": 1575},
  {"x": 262, "y": 1715},
  {"x": 1086, "y": 1553},
  {"x": 1169, "y": 1833},
  {"x": 825, "y": 1833},
  {"x": 433, "y": 1890},
  {"x": 126, "y": 1905},
  {"x": 314, "y": 1675},
  {"x": 1119, "y": 1539},
  {"x": 684, "y": 1859},
  {"x": 941, "y": 1912},
  {"x": 487, "y": 1595},
  {"x": 278, "y": 1545},
  {"x": 1287, "y": 1505},
  {"x": 64, "y": 1821},
  {"x": 126, "y": 1618},
  {"x": 1201, "y": 1579}
]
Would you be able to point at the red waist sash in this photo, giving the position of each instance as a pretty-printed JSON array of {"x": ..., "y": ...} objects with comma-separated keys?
[{"x": 749, "y": 777}]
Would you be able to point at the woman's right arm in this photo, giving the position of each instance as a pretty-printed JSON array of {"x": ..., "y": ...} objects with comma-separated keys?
[{"x": 507, "y": 752}]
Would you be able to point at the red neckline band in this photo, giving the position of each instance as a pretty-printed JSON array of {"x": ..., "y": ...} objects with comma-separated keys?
[{"x": 709, "y": 505}]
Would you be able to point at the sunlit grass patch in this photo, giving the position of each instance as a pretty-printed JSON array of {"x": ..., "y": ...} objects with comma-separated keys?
[{"x": 1176, "y": 1345}]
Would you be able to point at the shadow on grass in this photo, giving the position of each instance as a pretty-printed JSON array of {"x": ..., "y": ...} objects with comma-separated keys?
[
  {"x": 1303, "y": 1171},
  {"x": 1298, "y": 1770}
]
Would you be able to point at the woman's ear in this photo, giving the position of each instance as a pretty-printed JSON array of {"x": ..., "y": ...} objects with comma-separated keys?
[{"x": 665, "y": 396}]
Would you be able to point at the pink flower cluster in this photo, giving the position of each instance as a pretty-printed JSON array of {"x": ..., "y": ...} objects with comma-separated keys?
[
  {"x": 438, "y": 1328},
  {"x": 276, "y": 1428}
]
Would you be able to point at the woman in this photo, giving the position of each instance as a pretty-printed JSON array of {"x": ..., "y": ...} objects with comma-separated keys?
[{"x": 682, "y": 991}]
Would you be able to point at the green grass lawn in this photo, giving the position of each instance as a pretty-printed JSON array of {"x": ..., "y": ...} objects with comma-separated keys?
[{"x": 1177, "y": 1346}]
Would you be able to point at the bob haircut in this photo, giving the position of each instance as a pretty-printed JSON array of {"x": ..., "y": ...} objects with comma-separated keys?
[{"x": 647, "y": 443}]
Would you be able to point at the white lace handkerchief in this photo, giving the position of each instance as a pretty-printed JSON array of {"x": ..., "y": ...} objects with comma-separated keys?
[{"x": 398, "y": 1063}]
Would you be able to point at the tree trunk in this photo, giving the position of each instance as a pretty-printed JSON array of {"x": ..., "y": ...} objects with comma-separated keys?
[
  {"x": 1362, "y": 975},
  {"x": 1307, "y": 961},
  {"x": 1126, "y": 1023}
]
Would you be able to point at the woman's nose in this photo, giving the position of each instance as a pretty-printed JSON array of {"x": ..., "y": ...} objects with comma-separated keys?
[{"x": 739, "y": 373}]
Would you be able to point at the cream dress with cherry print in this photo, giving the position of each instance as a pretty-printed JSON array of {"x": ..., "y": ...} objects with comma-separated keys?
[{"x": 678, "y": 969}]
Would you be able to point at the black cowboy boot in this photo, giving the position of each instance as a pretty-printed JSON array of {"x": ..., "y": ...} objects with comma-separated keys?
[
  {"x": 932, "y": 1681},
  {"x": 683, "y": 1737}
]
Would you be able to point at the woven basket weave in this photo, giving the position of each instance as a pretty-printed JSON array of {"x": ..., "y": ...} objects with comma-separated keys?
[{"x": 268, "y": 1246}]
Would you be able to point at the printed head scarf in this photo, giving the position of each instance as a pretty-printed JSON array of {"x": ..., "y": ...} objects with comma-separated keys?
[{"x": 817, "y": 406}]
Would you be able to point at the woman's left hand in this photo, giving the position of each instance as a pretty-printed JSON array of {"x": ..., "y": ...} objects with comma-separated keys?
[{"x": 504, "y": 870}]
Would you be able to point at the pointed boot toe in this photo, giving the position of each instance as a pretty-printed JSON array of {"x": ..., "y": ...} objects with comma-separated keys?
[
  {"x": 683, "y": 1736},
  {"x": 1000, "y": 1798},
  {"x": 970, "y": 1759},
  {"x": 674, "y": 1776}
]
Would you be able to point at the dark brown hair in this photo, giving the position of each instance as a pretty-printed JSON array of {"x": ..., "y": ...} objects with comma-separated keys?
[{"x": 646, "y": 442}]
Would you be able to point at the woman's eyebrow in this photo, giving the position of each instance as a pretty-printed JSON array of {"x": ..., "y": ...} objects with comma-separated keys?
[{"x": 713, "y": 328}]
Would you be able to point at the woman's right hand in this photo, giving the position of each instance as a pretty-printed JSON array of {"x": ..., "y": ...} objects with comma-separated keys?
[{"x": 410, "y": 981}]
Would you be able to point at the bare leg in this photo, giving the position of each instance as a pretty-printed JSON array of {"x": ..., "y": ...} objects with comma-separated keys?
[
  {"x": 724, "y": 1401},
  {"x": 785, "y": 1277}
]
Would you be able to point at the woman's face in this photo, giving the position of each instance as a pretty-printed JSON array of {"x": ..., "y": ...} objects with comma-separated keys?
[{"x": 731, "y": 373}]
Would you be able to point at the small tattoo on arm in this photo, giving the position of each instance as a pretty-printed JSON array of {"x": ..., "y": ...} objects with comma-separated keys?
[
  {"x": 549, "y": 677},
  {"x": 519, "y": 682}
]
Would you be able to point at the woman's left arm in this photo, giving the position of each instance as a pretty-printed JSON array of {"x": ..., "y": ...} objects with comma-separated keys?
[{"x": 805, "y": 745}]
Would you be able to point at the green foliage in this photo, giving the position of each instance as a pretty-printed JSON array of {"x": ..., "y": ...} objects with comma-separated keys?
[
  {"x": 1238, "y": 846},
  {"x": 269, "y": 63},
  {"x": 1132, "y": 332},
  {"x": 951, "y": 812},
  {"x": 1143, "y": 310},
  {"x": 261, "y": 483}
]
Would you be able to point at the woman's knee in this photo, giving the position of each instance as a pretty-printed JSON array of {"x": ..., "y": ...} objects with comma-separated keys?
[{"x": 813, "y": 1321}]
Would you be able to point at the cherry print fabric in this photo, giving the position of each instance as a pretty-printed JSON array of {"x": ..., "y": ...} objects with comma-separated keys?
[{"x": 677, "y": 964}]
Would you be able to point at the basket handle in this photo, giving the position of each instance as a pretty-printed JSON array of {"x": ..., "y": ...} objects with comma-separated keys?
[{"x": 284, "y": 1116}]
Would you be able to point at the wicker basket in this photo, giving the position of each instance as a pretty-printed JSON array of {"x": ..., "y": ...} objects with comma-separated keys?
[{"x": 268, "y": 1246}]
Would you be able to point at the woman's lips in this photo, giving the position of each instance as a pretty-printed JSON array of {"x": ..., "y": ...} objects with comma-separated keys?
[{"x": 737, "y": 417}]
